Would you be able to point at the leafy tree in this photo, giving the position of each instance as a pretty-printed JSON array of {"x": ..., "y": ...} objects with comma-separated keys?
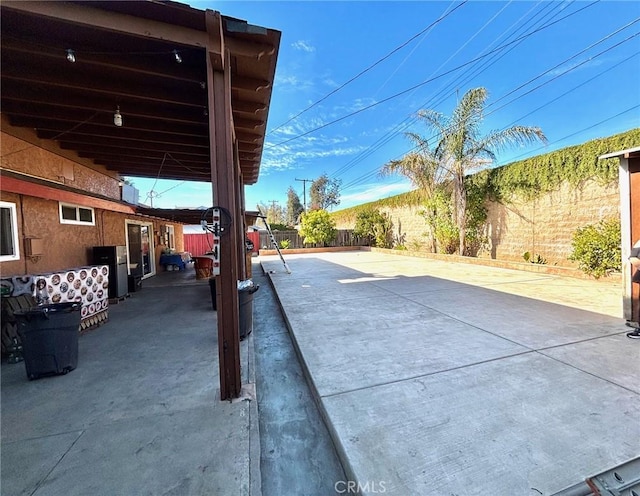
[
  {"x": 275, "y": 213},
  {"x": 317, "y": 227},
  {"x": 294, "y": 207},
  {"x": 375, "y": 225},
  {"x": 325, "y": 193},
  {"x": 460, "y": 149},
  {"x": 596, "y": 248}
]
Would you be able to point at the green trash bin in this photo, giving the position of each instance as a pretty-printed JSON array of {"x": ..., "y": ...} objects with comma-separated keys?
[{"x": 49, "y": 335}]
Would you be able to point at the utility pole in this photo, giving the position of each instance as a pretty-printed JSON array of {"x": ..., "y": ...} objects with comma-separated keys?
[{"x": 304, "y": 191}]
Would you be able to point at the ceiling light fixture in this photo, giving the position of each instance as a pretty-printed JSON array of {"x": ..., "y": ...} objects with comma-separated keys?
[
  {"x": 71, "y": 56},
  {"x": 177, "y": 56},
  {"x": 117, "y": 117}
]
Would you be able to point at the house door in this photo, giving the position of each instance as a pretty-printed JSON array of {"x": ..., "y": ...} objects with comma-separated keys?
[{"x": 140, "y": 249}]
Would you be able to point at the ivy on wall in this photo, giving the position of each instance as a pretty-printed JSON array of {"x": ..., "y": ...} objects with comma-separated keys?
[
  {"x": 544, "y": 173},
  {"x": 528, "y": 178}
]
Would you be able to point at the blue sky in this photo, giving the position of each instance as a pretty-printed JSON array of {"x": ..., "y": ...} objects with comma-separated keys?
[{"x": 577, "y": 79}]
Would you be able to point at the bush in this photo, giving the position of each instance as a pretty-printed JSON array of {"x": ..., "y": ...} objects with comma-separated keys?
[
  {"x": 285, "y": 244},
  {"x": 438, "y": 214},
  {"x": 596, "y": 248},
  {"x": 375, "y": 226},
  {"x": 318, "y": 226},
  {"x": 280, "y": 227}
]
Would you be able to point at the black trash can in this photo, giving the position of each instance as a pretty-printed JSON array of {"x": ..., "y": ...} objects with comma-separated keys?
[
  {"x": 49, "y": 335},
  {"x": 135, "y": 283},
  {"x": 245, "y": 306}
]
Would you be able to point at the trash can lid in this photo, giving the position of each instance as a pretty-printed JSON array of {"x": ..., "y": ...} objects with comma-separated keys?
[{"x": 69, "y": 306}]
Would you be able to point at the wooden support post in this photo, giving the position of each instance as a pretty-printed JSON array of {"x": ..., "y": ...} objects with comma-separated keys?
[{"x": 224, "y": 179}]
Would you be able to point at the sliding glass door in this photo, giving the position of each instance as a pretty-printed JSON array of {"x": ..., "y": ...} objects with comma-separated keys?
[{"x": 140, "y": 248}]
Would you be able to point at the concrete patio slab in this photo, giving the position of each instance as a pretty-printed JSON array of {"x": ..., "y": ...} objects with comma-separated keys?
[
  {"x": 611, "y": 358},
  {"x": 141, "y": 413},
  {"x": 527, "y": 321},
  {"x": 523, "y": 425},
  {"x": 436, "y": 385},
  {"x": 375, "y": 341},
  {"x": 33, "y": 460}
]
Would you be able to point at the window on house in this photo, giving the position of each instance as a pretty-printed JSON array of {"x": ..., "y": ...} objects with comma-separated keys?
[
  {"x": 74, "y": 214},
  {"x": 9, "y": 248}
]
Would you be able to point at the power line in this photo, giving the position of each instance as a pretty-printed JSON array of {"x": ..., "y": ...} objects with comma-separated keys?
[
  {"x": 375, "y": 171},
  {"x": 502, "y": 47},
  {"x": 441, "y": 18},
  {"x": 409, "y": 120}
]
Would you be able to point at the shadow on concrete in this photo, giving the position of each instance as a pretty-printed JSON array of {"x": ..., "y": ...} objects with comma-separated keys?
[
  {"x": 141, "y": 413},
  {"x": 439, "y": 378}
]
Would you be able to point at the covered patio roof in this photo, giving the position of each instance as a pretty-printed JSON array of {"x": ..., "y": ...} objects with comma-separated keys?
[{"x": 67, "y": 67}]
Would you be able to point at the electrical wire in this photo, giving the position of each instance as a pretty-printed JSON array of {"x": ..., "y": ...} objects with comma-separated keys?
[
  {"x": 396, "y": 95},
  {"x": 364, "y": 71},
  {"x": 366, "y": 176},
  {"x": 409, "y": 120}
]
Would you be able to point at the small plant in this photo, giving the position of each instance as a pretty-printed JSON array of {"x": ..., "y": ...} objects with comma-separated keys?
[
  {"x": 534, "y": 259},
  {"x": 596, "y": 248},
  {"x": 285, "y": 244}
]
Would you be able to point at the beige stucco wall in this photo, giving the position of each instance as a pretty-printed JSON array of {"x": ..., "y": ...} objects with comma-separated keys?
[
  {"x": 543, "y": 226},
  {"x": 66, "y": 245},
  {"x": 24, "y": 153}
]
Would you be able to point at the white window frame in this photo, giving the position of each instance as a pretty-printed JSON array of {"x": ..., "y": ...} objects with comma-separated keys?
[
  {"x": 14, "y": 232},
  {"x": 77, "y": 221}
]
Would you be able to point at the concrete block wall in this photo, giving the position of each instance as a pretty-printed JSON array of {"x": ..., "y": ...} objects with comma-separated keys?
[{"x": 543, "y": 226}]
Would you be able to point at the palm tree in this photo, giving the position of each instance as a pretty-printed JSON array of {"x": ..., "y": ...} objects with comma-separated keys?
[{"x": 460, "y": 148}]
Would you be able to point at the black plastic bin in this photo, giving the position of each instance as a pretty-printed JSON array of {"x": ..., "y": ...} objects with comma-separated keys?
[
  {"x": 245, "y": 303},
  {"x": 49, "y": 335},
  {"x": 245, "y": 306},
  {"x": 135, "y": 283}
]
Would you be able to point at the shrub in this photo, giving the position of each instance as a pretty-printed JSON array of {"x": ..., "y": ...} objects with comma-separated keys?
[
  {"x": 375, "y": 226},
  {"x": 317, "y": 226},
  {"x": 438, "y": 214},
  {"x": 596, "y": 248},
  {"x": 285, "y": 244},
  {"x": 276, "y": 226}
]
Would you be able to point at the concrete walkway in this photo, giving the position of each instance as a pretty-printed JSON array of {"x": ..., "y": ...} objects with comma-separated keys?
[
  {"x": 438, "y": 378},
  {"x": 141, "y": 414},
  {"x": 297, "y": 453}
]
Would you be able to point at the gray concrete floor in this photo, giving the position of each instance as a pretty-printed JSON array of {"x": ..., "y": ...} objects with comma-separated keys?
[
  {"x": 141, "y": 414},
  {"x": 297, "y": 455},
  {"x": 438, "y": 378}
]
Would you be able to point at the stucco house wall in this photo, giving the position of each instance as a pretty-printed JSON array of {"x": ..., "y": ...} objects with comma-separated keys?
[{"x": 65, "y": 245}]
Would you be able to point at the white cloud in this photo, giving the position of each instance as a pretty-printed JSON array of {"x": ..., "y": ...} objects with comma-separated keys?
[
  {"x": 575, "y": 66},
  {"x": 303, "y": 45}
]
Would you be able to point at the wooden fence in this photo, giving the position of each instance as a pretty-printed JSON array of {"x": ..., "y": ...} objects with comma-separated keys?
[{"x": 344, "y": 237}]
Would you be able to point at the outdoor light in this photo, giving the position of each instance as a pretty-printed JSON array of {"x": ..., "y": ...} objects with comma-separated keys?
[
  {"x": 117, "y": 117},
  {"x": 177, "y": 56},
  {"x": 71, "y": 56}
]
